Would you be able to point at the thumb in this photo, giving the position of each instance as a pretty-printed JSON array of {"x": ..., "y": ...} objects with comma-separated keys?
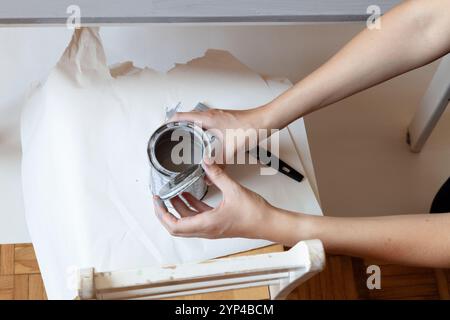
[{"x": 217, "y": 175}]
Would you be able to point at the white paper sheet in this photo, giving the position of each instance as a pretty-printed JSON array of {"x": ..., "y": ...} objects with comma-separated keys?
[{"x": 85, "y": 169}]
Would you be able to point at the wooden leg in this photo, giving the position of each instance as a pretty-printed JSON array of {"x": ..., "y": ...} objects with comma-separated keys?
[{"x": 431, "y": 107}]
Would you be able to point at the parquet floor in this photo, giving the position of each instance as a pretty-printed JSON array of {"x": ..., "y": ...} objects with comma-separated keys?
[
  {"x": 343, "y": 278},
  {"x": 19, "y": 273}
]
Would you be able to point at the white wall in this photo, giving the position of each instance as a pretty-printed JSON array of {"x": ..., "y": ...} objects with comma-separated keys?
[
  {"x": 26, "y": 55},
  {"x": 362, "y": 164}
]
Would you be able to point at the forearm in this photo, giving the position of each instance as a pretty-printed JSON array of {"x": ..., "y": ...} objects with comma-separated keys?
[
  {"x": 411, "y": 35},
  {"x": 421, "y": 240}
]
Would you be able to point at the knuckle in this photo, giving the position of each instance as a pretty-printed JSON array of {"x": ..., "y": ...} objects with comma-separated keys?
[
  {"x": 218, "y": 112},
  {"x": 207, "y": 118}
]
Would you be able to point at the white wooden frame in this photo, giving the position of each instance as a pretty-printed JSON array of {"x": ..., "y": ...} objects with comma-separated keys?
[
  {"x": 431, "y": 108},
  {"x": 281, "y": 271}
]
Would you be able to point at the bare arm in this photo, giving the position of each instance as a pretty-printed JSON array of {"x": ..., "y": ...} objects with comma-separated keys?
[
  {"x": 420, "y": 240},
  {"x": 412, "y": 34}
]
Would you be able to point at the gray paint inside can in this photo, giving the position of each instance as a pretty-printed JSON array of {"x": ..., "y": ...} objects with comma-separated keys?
[
  {"x": 190, "y": 153},
  {"x": 168, "y": 175}
]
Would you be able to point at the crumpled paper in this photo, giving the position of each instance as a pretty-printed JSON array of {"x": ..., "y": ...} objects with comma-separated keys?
[{"x": 85, "y": 169}]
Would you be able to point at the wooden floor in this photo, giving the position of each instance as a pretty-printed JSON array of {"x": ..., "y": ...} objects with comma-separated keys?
[
  {"x": 19, "y": 273},
  {"x": 343, "y": 278}
]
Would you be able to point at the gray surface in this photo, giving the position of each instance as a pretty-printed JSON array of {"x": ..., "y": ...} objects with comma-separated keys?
[{"x": 148, "y": 11}]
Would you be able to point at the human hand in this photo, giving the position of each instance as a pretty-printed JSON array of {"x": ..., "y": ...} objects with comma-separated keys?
[{"x": 242, "y": 213}]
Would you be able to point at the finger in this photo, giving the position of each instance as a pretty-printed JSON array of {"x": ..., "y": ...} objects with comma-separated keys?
[
  {"x": 192, "y": 226},
  {"x": 199, "y": 225},
  {"x": 181, "y": 207},
  {"x": 217, "y": 175},
  {"x": 198, "y": 205}
]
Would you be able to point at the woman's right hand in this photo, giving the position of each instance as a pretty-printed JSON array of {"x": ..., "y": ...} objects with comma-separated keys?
[
  {"x": 233, "y": 128},
  {"x": 241, "y": 213}
]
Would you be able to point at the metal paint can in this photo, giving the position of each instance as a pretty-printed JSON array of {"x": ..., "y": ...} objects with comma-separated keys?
[{"x": 176, "y": 150}]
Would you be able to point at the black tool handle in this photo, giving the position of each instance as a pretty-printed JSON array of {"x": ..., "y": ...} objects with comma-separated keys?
[{"x": 282, "y": 167}]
